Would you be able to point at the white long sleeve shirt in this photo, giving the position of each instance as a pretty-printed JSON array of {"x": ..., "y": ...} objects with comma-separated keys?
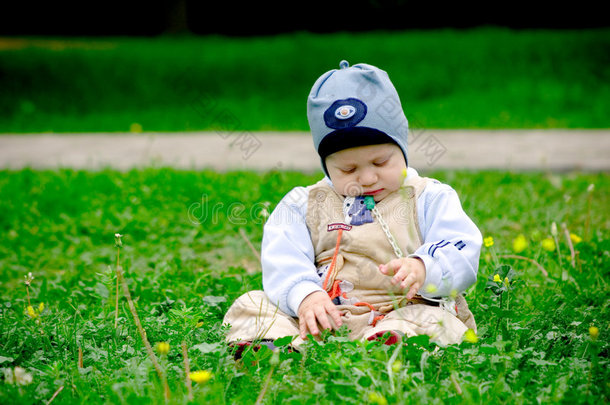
[{"x": 450, "y": 252}]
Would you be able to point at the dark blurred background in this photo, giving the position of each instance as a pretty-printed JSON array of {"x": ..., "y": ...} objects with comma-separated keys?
[{"x": 241, "y": 18}]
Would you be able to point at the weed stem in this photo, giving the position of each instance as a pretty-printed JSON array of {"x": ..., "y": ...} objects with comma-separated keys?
[
  {"x": 389, "y": 367},
  {"x": 55, "y": 394},
  {"x": 259, "y": 400},
  {"x": 80, "y": 357},
  {"x": 245, "y": 238},
  {"x": 187, "y": 371},
  {"x": 142, "y": 332},
  {"x": 456, "y": 384},
  {"x": 534, "y": 262},
  {"x": 570, "y": 245},
  {"x": 116, "y": 306}
]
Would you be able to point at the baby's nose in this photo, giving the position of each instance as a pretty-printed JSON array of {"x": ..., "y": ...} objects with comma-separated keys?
[{"x": 368, "y": 178}]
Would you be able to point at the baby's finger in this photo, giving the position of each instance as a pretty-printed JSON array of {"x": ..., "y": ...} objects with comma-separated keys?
[
  {"x": 408, "y": 281},
  {"x": 413, "y": 290},
  {"x": 401, "y": 274},
  {"x": 310, "y": 324},
  {"x": 322, "y": 318},
  {"x": 303, "y": 328},
  {"x": 391, "y": 267},
  {"x": 335, "y": 315}
]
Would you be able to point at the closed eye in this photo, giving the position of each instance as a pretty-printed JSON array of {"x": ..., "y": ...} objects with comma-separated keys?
[
  {"x": 381, "y": 163},
  {"x": 348, "y": 171}
]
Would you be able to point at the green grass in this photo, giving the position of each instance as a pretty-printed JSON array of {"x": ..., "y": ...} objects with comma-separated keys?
[
  {"x": 184, "y": 269},
  {"x": 478, "y": 78}
]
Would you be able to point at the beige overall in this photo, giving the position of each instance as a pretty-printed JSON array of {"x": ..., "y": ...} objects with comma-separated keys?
[{"x": 369, "y": 302}]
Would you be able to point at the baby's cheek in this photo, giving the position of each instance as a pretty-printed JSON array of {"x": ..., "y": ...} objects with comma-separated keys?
[{"x": 350, "y": 188}]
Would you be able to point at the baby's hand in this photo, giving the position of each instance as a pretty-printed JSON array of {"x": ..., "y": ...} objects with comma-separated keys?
[
  {"x": 410, "y": 272},
  {"x": 317, "y": 308}
]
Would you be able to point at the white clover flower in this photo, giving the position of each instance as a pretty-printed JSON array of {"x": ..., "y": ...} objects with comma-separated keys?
[
  {"x": 28, "y": 279},
  {"x": 264, "y": 213},
  {"x": 18, "y": 376}
]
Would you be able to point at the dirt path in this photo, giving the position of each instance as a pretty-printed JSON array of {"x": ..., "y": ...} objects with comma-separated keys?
[{"x": 557, "y": 150}]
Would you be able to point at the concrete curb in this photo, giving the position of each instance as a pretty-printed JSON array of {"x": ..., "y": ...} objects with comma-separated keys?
[{"x": 555, "y": 150}]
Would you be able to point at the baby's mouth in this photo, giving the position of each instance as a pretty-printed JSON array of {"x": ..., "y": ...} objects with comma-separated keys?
[{"x": 373, "y": 192}]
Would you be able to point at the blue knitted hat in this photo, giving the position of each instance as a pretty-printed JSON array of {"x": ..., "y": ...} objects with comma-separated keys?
[{"x": 355, "y": 106}]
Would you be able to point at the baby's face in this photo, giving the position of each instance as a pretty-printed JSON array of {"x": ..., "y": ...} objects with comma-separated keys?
[{"x": 375, "y": 170}]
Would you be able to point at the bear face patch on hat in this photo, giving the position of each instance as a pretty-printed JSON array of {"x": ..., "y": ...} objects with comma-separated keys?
[{"x": 355, "y": 106}]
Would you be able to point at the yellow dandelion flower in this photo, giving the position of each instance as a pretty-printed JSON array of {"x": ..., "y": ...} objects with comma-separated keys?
[
  {"x": 377, "y": 398},
  {"x": 199, "y": 324},
  {"x": 488, "y": 241},
  {"x": 201, "y": 376},
  {"x": 594, "y": 332},
  {"x": 135, "y": 127},
  {"x": 470, "y": 336},
  {"x": 575, "y": 238},
  {"x": 32, "y": 312},
  {"x": 40, "y": 307},
  {"x": 506, "y": 281},
  {"x": 519, "y": 244},
  {"x": 162, "y": 347},
  {"x": 497, "y": 278},
  {"x": 548, "y": 244},
  {"x": 431, "y": 288}
]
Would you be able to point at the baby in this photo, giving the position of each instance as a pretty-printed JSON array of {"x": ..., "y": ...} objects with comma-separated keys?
[{"x": 372, "y": 245}]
